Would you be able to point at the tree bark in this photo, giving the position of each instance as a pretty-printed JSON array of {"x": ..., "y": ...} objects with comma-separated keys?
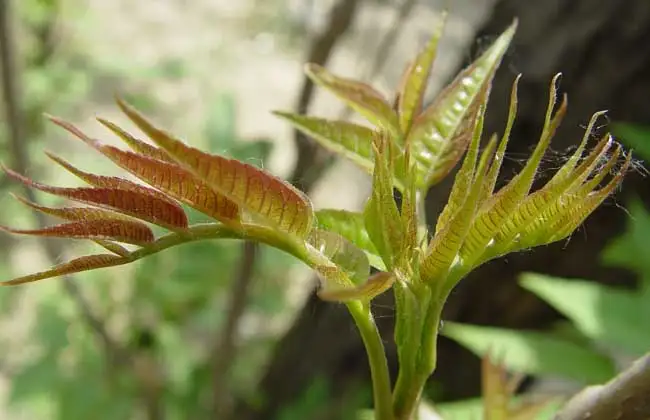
[{"x": 601, "y": 48}]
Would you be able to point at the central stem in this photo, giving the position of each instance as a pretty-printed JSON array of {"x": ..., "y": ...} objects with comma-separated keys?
[{"x": 412, "y": 379}]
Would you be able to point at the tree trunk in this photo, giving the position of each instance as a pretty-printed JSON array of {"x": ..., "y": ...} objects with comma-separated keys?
[{"x": 601, "y": 48}]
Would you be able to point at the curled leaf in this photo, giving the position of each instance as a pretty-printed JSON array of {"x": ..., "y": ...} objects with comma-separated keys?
[
  {"x": 256, "y": 191},
  {"x": 376, "y": 284}
]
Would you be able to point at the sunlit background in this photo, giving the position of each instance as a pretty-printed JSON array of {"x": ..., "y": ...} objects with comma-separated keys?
[{"x": 212, "y": 71}]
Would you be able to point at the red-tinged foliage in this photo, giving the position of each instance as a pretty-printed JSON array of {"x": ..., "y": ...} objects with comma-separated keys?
[
  {"x": 134, "y": 143},
  {"x": 75, "y": 213},
  {"x": 133, "y": 202},
  {"x": 89, "y": 262},
  {"x": 256, "y": 191},
  {"x": 126, "y": 231},
  {"x": 164, "y": 175}
]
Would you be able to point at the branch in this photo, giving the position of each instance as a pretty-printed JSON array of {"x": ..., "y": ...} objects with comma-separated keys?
[
  {"x": 627, "y": 396},
  {"x": 18, "y": 150}
]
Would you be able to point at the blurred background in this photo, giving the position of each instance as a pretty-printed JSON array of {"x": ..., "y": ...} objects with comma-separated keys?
[{"x": 222, "y": 330}]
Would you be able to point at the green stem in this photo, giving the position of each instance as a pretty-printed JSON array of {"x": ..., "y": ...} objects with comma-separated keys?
[
  {"x": 411, "y": 379},
  {"x": 376, "y": 357}
]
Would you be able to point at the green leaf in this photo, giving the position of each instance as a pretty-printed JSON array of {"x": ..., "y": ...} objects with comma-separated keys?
[
  {"x": 456, "y": 219},
  {"x": 612, "y": 316},
  {"x": 634, "y": 136},
  {"x": 381, "y": 215},
  {"x": 439, "y": 136},
  {"x": 533, "y": 353},
  {"x": 473, "y": 409},
  {"x": 629, "y": 249},
  {"x": 415, "y": 79},
  {"x": 359, "y": 96},
  {"x": 341, "y": 252},
  {"x": 352, "y": 227},
  {"x": 347, "y": 139}
]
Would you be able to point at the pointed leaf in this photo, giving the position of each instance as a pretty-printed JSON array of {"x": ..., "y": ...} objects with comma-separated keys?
[
  {"x": 77, "y": 265},
  {"x": 381, "y": 215},
  {"x": 134, "y": 143},
  {"x": 166, "y": 176},
  {"x": 133, "y": 203},
  {"x": 359, "y": 96},
  {"x": 442, "y": 254},
  {"x": 441, "y": 133},
  {"x": 416, "y": 78},
  {"x": 79, "y": 214},
  {"x": 108, "y": 181},
  {"x": 130, "y": 232},
  {"x": 533, "y": 352},
  {"x": 83, "y": 214},
  {"x": 347, "y": 139},
  {"x": 375, "y": 285},
  {"x": 256, "y": 191},
  {"x": 496, "y": 210},
  {"x": 497, "y": 161}
]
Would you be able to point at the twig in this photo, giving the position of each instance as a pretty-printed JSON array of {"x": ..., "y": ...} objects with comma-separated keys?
[
  {"x": 627, "y": 396},
  {"x": 15, "y": 124}
]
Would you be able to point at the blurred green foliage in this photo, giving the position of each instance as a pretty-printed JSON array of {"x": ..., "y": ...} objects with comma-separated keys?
[{"x": 168, "y": 310}]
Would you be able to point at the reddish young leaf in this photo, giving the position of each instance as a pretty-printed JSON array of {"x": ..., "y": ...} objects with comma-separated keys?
[
  {"x": 255, "y": 190},
  {"x": 79, "y": 214},
  {"x": 166, "y": 176},
  {"x": 129, "y": 232},
  {"x": 175, "y": 181},
  {"x": 134, "y": 143},
  {"x": 135, "y": 203},
  {"x": 77, "y": 265}
]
